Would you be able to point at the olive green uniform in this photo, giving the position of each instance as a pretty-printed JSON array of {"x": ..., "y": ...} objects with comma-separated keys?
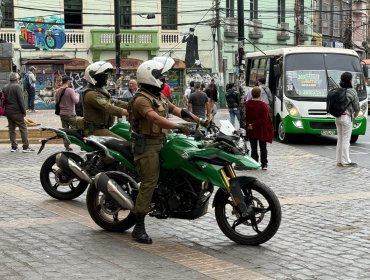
[
  {"x": 99, "y": 111},
  {"x": 147, "y": 161}
]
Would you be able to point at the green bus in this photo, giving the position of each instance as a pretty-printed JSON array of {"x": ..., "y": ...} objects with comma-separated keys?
[{"x": 298, "y": 79}]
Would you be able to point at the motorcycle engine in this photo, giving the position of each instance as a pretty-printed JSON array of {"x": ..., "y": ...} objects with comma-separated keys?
[{"x": 178, "y": 194}]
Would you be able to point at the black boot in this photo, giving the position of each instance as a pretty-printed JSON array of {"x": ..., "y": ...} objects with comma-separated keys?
[{"x": 139, "y": 233}]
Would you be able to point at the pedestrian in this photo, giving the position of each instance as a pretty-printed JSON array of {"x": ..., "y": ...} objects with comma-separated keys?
[
  {"x": 233, "y": 103},
  {"x": 212, "y": 94},
  {"x": 344, "y": 122},
  {"x": 31, "y": 89},
  {"x": 67, "y": 98},
  {"x": 129, "y": 93},
  {"x": 187, "y": 93},
  {"x": 15, "y": 113},
  {"x": 199, "y": 103},
  {"x": 100, "y": 109},
  {"x": 166, "y": 91},
  {"x": 266, "y": 95},
  {"x": 259, "y": 126},
  {"x": 149, "y": 125}
]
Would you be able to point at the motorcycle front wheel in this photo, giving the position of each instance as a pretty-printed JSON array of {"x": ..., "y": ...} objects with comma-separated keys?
[
  {"x": 57, "y": 183},
  {"x": 105, "y": 212},
  {"x": 259, "y": 228}
]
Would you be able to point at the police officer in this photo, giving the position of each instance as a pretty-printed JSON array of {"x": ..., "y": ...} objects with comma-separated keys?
[
  {"x": 99, "y": 108},
  {"x": 148, "y": 112}
]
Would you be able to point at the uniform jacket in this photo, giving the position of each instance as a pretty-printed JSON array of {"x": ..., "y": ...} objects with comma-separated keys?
[
  {"x": 143, "y": 103},
  {"x": 100, "y": 108},
  {"x": 257, "y": 114}
]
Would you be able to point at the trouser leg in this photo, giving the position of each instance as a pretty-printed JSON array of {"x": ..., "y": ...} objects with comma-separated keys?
[
  {"x": 254, "y": 151},
  {"x": 263, "y": 150},
  {"x": 346, "y": 132},
  {"x": 11, "y": 130}
]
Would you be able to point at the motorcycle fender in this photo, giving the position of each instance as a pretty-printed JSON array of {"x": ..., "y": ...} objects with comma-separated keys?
[{"x": 222, "y": 195}]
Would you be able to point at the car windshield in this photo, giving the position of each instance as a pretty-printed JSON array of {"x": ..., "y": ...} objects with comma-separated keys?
[{"x": 306, "y": 77}]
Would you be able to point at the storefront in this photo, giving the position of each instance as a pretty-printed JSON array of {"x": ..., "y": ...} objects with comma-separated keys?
[
  {"x": 76, "y": 70},
  {"x": 48, "y": 76}
]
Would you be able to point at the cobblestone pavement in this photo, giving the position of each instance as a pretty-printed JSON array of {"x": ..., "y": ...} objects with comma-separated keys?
[{"x": 324, "y": 232}]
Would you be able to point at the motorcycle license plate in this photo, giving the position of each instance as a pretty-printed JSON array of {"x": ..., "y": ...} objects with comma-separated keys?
[{"x": 328, "y": 132}]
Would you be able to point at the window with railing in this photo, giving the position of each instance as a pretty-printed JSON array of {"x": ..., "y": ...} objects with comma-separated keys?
[
  {"x": 169, "y": 14},
  {"x": 73, "y": 14},
  {"x": 281, "y": 11},
  {"x": 125, "y": 14},
  {"x": 253, "y": 9},
  {"x": 230, "y": 9},
  {"x": 7, "y": 11}
]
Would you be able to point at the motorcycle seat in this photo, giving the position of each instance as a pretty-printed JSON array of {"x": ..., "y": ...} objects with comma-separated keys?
[
  {"x": 74, "y": 132},
  {"x": 121, "y": 146}
]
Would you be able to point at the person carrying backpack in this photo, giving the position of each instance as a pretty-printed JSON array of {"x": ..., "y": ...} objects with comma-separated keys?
[
  {"x": 233, "y": 103},
  {"x": 344, "y": 121},
  {"x": 30, "y": 84}
]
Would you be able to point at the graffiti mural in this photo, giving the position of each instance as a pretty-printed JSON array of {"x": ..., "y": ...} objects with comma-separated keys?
[
  {"x": 191, "y": 55},
  {"x": 41, "y": 32}
]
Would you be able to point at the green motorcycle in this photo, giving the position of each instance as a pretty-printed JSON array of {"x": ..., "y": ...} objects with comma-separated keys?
[
  {"x": 64, "y": 185},
  {"x": 247, "y": 211}
]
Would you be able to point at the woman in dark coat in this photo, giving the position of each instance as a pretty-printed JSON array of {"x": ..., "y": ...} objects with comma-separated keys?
[{"x": 259, "y": 126}]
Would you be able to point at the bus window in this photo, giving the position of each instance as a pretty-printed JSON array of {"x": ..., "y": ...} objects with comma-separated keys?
[{"x": 253, "y": 75}]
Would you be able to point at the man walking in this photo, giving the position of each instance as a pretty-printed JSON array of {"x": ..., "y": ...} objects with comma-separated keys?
[
  {"x": 15, "y": 113},
  {"x": 198, "y": 103},
  {"x": 67, "y": 99}
]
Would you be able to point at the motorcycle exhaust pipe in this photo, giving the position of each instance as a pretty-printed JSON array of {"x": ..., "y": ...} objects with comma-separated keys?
[
  {"x": 71, "y": 167},
  {"x": 109, "y": 187}
]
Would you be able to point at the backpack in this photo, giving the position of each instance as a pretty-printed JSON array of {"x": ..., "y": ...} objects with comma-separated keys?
[
  {"x": 232, "y": 99},
  {"x": 26, "y": 81},
  {"x": 2, "y": 103},
  {"x": 336, "y": 101}
]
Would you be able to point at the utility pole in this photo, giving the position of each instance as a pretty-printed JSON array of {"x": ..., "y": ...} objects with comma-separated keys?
[
  {"x": 241, "y": 38},
  {"x": 219, "y": 52},
  {"x": 297, "y": 14},
  {"x": 219, "y": 43},
  {"x": 117, "y": 36}
]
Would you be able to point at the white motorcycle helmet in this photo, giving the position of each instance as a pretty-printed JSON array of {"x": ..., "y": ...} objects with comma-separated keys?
[
  {"x": 96, "y": 68},
  {"x": 150, "y": 71}
]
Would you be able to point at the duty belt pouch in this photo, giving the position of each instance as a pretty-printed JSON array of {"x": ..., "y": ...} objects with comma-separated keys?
[{"x": 139, "y": 143}]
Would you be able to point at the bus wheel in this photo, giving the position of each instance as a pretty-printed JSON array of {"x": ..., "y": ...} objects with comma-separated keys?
[
  {"x": 283, "y": 137},
  {"x": 354, "y": 138}
]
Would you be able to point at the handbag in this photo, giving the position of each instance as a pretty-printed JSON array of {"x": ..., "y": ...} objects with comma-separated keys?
[{"x": 57, "y": 107}]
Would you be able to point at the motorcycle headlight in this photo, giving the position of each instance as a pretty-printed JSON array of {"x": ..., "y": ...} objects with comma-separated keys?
[{"x": 292, "y": 110}]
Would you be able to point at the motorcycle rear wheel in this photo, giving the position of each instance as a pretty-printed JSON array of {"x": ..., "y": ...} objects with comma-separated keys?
[
  {"x": 105, "y": 212},
  {"x": 57, "y": 183},
  {"x": 267, "y": 213}
]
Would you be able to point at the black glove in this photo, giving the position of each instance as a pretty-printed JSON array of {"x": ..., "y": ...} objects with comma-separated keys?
[
  {"x": 204, "y": 123},
  {"x": 183, "y": 128}
]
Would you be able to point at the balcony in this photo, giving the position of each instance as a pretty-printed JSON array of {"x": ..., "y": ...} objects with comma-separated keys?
[
  {"x": 103, "y": 40},
  {"x": 231, "y": 27},
  {"x": 73, "y": 39},
  {"x": 170, "y": 39}
]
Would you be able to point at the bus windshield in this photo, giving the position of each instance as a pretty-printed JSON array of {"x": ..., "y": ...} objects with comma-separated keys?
[{"x": 306, "y": 77}]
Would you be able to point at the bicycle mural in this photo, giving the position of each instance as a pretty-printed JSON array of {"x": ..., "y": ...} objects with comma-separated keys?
[{"x": 41, "y": 32}]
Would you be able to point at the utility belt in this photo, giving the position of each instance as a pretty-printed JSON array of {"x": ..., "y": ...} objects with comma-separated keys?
[
  {"x": 140, "y": 141},
  {"x": 92, "y": 126}
]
